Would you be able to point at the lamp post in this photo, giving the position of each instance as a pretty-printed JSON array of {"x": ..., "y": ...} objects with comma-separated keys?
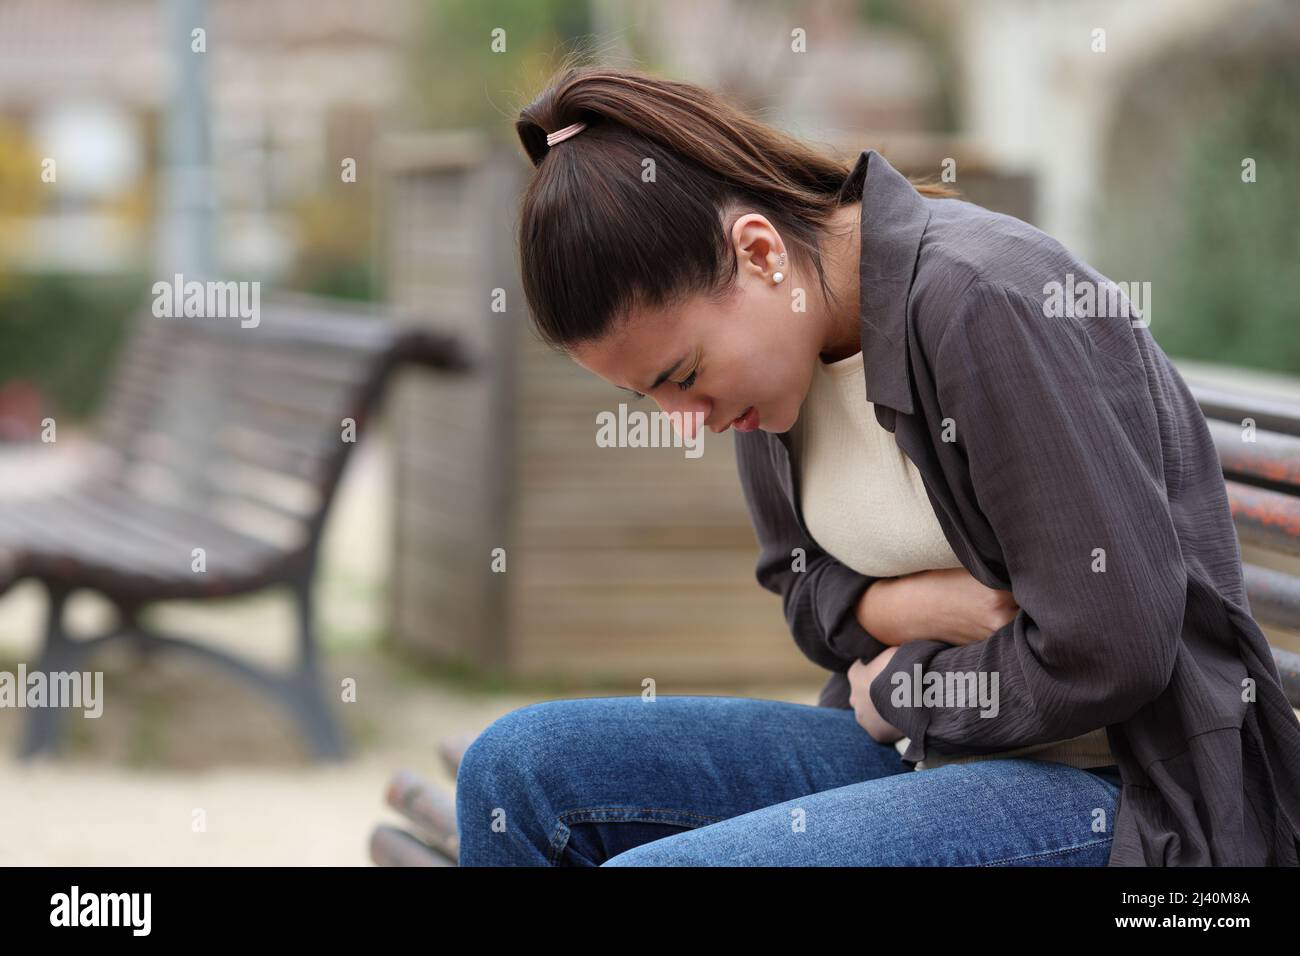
[{"x": 184, "y": 238}]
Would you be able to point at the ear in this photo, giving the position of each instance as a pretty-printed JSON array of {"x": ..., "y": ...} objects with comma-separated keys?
[{"x": 758, "y": 245}]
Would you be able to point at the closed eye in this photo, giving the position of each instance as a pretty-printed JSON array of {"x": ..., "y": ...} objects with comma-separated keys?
[{"x": 683, "y": 385}]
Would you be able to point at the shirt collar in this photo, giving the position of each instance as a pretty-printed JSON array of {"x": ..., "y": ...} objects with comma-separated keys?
[{"x": 894, "y": 217}]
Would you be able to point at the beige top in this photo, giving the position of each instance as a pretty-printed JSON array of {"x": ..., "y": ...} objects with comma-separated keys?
[{"x": 865, "y": 504}]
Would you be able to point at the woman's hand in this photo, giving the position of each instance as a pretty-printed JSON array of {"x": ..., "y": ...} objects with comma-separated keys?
[
  {"x": 860, "y": 677},
  {"x": 946, "y": 605}
]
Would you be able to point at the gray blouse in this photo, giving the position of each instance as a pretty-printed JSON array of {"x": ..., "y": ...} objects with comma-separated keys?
[{"x": 1082, "y": 477}]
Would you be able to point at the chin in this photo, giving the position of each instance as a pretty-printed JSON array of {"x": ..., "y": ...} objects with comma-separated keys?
[{"x": 777, "y": 427}]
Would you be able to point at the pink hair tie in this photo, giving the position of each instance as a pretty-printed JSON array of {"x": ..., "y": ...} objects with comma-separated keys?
[{"x": 560, "y": 135}]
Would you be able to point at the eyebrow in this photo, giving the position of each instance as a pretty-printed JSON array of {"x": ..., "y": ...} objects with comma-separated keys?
[{"x": 662, "y": 376}]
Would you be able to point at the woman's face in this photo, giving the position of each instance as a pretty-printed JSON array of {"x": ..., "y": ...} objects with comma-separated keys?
[{"x": 753, "y": 350}]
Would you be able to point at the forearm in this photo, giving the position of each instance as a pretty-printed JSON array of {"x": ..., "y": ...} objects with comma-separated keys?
[
  {"x": 821, "y": 605},
  {"x": 946, "y": 604},
  {"x": 890, "y": 615}
]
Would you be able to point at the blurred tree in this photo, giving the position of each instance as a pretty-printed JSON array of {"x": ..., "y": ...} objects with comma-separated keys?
[
  {"x": 333, "y": 238},
  {"x": 1221, "y": 253},
  {"x": 62, "y": 332},
  {"x": 1233, "y": 276},
  {"x": 459, "y": 82}
]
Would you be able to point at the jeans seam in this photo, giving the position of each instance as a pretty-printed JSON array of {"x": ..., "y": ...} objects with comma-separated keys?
[
  {"x": 573, "y": 816},
  {"x": 559, "y": 839},
  {"x": 1047, "y": 854}
]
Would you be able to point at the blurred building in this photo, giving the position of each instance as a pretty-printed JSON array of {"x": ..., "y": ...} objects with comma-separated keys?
[{"x": 296, "y": 87}]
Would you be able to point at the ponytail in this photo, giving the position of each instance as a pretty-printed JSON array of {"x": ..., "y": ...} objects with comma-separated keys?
[{"x": 635, "y": 209}]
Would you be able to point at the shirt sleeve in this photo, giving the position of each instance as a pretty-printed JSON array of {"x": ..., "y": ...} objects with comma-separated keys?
[
  {"x": 1066, "y": 463},
  {"x": 820, "y": 601}
]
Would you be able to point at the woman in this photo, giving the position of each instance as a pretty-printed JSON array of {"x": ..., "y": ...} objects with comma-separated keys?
[{"x": 956, "y": 485}]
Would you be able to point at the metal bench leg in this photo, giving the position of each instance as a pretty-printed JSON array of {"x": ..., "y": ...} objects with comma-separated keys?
[
  {"x": 309, "y": 697},
  {"x": 302, "y": 691},
  {"x": 59, "y": 653}
]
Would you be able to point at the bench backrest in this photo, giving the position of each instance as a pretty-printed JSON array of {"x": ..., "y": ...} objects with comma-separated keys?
[
  {"x": 1258, "y": 441},
  {"x": 252, "y": 426}
]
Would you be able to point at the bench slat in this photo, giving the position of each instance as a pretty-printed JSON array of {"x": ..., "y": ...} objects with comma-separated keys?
[
  {"x": 1274, "y": 596},
  {"x": 1272, "y": 459},
  {"x": 1264, "y": 518},
  {"x": 1288, "y": 665},
  {"x": 53, "y": 529},
  {"x": 1273, "y": 414}
]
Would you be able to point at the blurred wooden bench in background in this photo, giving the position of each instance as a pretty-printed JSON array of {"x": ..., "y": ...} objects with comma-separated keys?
[{"x": 224, "y": 448}]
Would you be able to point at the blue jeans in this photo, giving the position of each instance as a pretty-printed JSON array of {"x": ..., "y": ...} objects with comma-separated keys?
[{"x": 735, "y": 781}]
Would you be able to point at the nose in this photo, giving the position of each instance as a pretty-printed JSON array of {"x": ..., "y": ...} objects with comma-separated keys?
[{"x": 686, "y": 412}]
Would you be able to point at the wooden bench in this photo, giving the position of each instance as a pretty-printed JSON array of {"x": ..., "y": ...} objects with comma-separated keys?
[
  {"x": 222, "y": 448},
  {"x": 1263, "y": 484}
]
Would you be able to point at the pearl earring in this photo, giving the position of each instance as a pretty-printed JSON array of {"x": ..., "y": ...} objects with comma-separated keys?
[{"x": 777, "y": 276}]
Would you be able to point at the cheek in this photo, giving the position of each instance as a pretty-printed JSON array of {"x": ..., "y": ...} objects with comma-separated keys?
[
  {"x": 764, "y": 361},
  {"x": 784, "y": 347},
  {"x": 770, "y": 367}
]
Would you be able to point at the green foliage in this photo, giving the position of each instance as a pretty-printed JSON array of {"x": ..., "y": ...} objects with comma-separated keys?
[
  {"x": 1222, "y": 254},
  {"x": 350, "y": 280},
  {"x": 458, "y": 81},
  {"x": 335, "y": 254},
  {"x": 1234, "y": 279},
  {"x": 63, "y": 332}
]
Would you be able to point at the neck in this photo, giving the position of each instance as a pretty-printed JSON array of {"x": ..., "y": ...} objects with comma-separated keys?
[{"x": 841, "y": 332}]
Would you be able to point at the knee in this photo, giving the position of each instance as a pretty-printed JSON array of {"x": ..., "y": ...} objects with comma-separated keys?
[
  {"x": 523, "y": 750},
  {"x": 501, "y": 747}
]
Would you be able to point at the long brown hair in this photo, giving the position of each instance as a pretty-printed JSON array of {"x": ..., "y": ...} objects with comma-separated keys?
[{"x": 598, "y": 237}]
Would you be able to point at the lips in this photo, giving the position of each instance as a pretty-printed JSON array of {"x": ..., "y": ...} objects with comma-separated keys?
[{"x": 747, "y": 420}]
